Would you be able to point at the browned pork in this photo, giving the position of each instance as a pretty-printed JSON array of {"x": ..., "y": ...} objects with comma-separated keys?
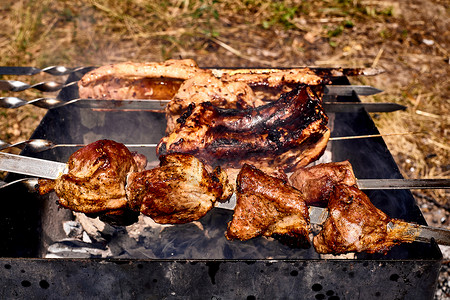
[
  {"x": 204, "y": 87},
  {"x": 354, "y": 224},
  {"x": 317, "y": 182},
  {"x": 268, "y": 206},
  {"x": 96, "y": 178},
  {"x": 288, "y": 133},
  {"x": 271, "y": 77},
  {"x": 180, "y": 190},
  {"x": 130, "y": 80}
]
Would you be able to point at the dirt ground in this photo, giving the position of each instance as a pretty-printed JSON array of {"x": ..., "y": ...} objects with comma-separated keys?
[{"x": 408, "y": 39}]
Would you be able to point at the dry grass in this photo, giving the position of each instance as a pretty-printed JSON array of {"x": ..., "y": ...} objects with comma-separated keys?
[{"x": 408, "y": 39}]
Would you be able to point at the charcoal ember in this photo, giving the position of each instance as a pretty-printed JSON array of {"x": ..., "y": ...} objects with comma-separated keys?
[
  {"x": 74, "y": 248},
  {"x": 73, "y": 229}
]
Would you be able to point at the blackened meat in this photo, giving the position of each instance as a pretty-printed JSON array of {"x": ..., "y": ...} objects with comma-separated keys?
[{"x": 287, "y": 133}]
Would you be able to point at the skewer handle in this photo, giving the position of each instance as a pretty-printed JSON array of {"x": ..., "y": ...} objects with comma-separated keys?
[{"x": 52, "y": 70}]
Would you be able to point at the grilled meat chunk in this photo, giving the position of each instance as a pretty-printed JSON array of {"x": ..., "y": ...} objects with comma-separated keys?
[
  {"x": 268, "y": 206},
  {"x": 130, "y": 80},
  {"x": 288, "y": 133},
  {"x": 180, "y": 190},
  {"x": 96, "y": 178},
  {"x": 161, "y": 80},
  {"x": 354, "y": 224},
  {"x": 317, "y": 182},
  {"x": 204, "y": 87}
]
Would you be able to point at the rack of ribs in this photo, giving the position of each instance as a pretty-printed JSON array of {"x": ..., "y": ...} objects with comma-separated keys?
[{"x": 288, "y": 133}]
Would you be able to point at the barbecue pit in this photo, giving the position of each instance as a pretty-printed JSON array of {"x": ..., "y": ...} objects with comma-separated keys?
[{"x": 195, "y": 260}]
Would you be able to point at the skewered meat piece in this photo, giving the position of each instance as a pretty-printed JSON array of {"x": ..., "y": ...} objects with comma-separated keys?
[
  {"x": 180, "y": 190},
  {"x": 272, "y": 78},
  {"x": 317, "y": 182},
  {"x": 96, "y": 178},
  {"x": 354, "y": 224},
  {"x": 204, "y": 87},
  {"x": 268, "y": 206},
  {"x": 288, "y": 133},
  {"x": 130, "y": 80},
  {"x": 159, "y": 80}
]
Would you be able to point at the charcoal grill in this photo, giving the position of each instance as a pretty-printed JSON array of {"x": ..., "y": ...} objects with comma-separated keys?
[{"x": 189, "y": 263}]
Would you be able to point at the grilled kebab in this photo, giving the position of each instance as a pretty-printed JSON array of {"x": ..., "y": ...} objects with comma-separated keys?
[
  {"x": 204, "y": 87},
  {"x": 180, "y": 190},
  {"x": 268, "y": 206},
  {"x": 96, "y": 178},
  {"x": 354, "y": 224},
  {"x": 288, "y": 133},
  {"x": 130, "y": 80},
  {"x": 161, "y": 80},
  {"x": 317, "y": 182},
  {"x": 104, "y": 177}
]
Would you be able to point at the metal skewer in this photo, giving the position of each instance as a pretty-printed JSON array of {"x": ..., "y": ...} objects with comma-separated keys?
[
  {"x": 52, "y": 70},
  {"x": 61, "y": 70},
  {"x": 159, "y": 105},
  {"x": 52, "y": 86},
  {"x": 39, "y": 145},
  {"x": 45, "y": 86}
]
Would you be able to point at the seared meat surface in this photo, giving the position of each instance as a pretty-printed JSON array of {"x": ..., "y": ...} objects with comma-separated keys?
[
  {"x": 131, "y": 80},
  {"x": 288, "y": 133},
  {"x": 96, "y": 178},
  {"x": 180, "y": 190},
  {"x": 268, "y": 206},
  {"x": 204, "y": 87},
  {"x": 161, "y": 80},
  {"x": 317, "y": 182},
  {"x": 354, "y": 224}
]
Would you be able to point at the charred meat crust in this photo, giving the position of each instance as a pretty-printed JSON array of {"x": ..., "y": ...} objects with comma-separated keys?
[{"x": 230, "y": 137}]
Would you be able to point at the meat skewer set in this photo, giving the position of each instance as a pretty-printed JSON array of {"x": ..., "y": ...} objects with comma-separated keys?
[
  {"x": 105, "y": 179},
  {"x": 216, "y": 120},
  {"x": 163, "y": 80}
]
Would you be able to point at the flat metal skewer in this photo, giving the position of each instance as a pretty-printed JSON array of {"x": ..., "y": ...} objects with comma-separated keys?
[
  {"x": 62, "y": 70},
  {"x": 39, "y": 145},
  {"x": 52, "y": 86},
  {"x": 159, "y": 105}
]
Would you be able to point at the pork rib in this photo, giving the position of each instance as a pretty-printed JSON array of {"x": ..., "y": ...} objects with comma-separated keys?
[{"x": 287, "y": 133}]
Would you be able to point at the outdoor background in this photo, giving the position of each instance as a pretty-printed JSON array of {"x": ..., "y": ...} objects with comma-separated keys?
[{"x": 408, "y": 39}]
